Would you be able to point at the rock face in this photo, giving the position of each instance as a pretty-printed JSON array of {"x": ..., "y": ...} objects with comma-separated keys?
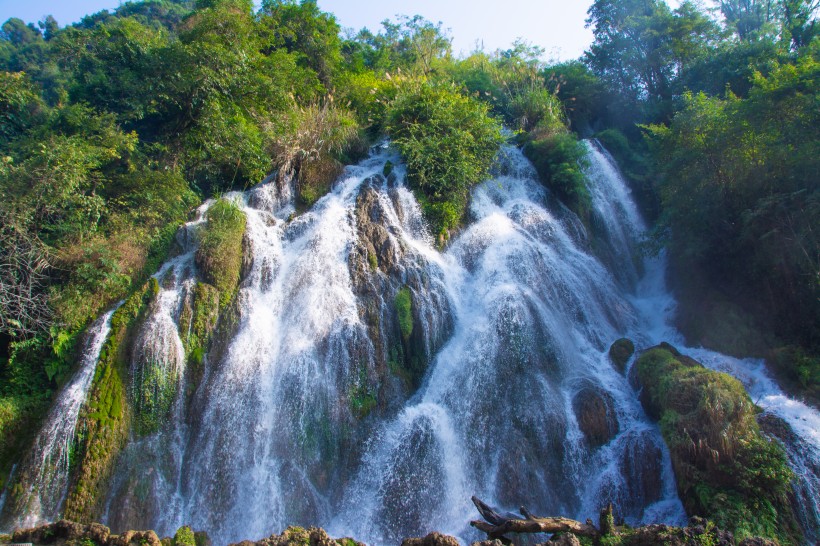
[
  {"x": 595, "y": 412},
  {"x": 386, "y": 273},
  {"x": 620, "y": 352}
]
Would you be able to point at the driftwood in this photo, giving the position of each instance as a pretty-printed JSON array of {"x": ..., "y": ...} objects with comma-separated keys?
[{"x": 497, "y": 525}]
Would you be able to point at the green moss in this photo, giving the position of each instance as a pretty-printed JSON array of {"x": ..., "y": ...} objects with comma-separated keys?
[
  {"x": 219, "y": 257},
  {"x": 184, "y": 537},
  {"x": 106, "y": 419},
  {"x": 198, "y": 321},
  {"x": 373, "y": 260},
  {"x": 404, "y": 312},
  {"x": 726, "y": 469},
  {"x": 362, "y": 398}
]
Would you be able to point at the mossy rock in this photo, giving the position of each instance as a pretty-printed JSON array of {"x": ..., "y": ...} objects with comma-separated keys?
[
  {"x": 620, "y": 352},
  {"x": 726, "y": 468},
  {"x": 198, "y": 320},
  {"x": 219, "y": 256}
]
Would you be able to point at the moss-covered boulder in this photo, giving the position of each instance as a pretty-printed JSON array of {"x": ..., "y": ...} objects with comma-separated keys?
[
  {"x": 219, "y": 256},
  {"x": 620, "y": 352},
  {"x": 726, "y": 468}
]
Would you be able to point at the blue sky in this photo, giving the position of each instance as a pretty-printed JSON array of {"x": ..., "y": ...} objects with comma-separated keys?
[{"x": 555, "y": 25}]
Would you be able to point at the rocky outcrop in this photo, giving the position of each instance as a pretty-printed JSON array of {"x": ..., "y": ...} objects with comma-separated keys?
[
  {"x": 68, "y": 532},
  {"x": 433, "y": 539},
  {"x": 298, "y": 536},
  {"x": 397, "y": 297}
]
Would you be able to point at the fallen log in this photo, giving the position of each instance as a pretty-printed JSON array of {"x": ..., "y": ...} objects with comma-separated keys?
[{"x": 497, "y": 525}]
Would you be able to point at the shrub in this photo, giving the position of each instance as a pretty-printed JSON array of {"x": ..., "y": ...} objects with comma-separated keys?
[
  {"x": 184, "y": 537},
  {"x": 559, "y": 159},
  {"x": 448, "y": 142}
]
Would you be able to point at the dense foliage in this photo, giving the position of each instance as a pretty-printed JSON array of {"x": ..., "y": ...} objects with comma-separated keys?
[
  {"x": 448, "y": 142},
  {"x": 714, "y": 117}
]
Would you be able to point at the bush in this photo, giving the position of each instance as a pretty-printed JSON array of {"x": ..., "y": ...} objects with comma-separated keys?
[
  {"x": 184, "y": 537},
  {"x": 559, "y": 160},
  {"x": 448, "y": 142}
]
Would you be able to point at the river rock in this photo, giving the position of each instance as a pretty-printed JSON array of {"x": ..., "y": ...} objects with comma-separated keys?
[
  {"x": 620, "y": 352},
  {"x": 298, "y": 536},
  {"x": 433, "y": 539},
  {"x": 563, "y": 539}
]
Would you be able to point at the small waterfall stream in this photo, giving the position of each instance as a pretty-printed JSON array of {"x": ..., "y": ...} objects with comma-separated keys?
[
  {"x": 48, "y": 462},
  {"x": 319, "y": 410}
]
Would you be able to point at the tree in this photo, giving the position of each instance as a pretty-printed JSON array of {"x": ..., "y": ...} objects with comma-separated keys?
[{"x": 641, "y": 47}]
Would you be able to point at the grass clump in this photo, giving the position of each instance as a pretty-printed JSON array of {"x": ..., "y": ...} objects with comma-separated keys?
[
  {"x": 219, "y": 256},
  {"x": 448, "y": 142},
  {"x": 726, "y": 469}
]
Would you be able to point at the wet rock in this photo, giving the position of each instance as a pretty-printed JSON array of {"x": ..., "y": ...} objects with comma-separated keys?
[
  {"x": 98, "y": 533},
  {"x": 620, "y": 352},
  {"x": 595, "y": 412},
  {"x": 564, "y": 539},
  {"x": 495, "y": 542},
  {"x": 757, "y": 541},
  {"x": 298, "y": 536},
  {"x": 433, "y": 539},
  {"x": 201, "y": 538},
  {"x": 642, "y": 465}
]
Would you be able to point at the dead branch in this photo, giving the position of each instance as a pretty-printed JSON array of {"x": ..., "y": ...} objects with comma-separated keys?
[{"x": 497, "y": 525}]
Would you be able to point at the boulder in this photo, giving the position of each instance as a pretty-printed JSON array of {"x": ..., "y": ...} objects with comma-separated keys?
[
  {"x": 620, "y": 352},
  {"x": 595, "y": 412},
  {"x": 433, "y": 539}
]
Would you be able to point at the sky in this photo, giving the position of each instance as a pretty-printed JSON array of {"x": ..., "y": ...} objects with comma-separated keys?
[{"x": 555, "y": 25}]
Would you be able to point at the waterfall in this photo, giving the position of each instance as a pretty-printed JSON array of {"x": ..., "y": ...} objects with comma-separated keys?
[
  {"x": 46, "y": 466},
  {"x": 317, "y": 407}
]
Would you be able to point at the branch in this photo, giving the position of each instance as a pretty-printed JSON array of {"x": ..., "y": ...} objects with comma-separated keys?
[{"x": 497, "y": 525}]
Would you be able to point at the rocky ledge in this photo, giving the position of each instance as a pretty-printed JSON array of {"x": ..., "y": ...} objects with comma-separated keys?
[{"x": 68, "y": 533}]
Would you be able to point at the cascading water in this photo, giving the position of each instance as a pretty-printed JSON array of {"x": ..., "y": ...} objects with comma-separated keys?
[
  {"x": 319, "y": 408},
  {"x": 46, "y": 466}
]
